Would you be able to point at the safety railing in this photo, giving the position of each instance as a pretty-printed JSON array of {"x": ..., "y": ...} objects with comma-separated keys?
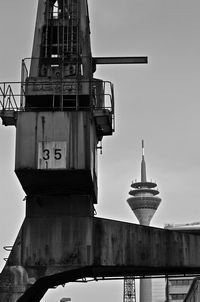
[
  {"x": 58, "y": 77},
  {"x": 13, "y": 94},
  {"x": 10, "y": 97},
  {"x": 58, "y": 90}
]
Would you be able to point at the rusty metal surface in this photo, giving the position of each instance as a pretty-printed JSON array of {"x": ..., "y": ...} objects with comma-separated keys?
[
  {"x": 56, "y": 150},
  {"x": 57, "y": 241},
  {"x": 82, "y": 24},
  {"x": 70, "y": 127},
  {"x": 145, "y": 249},
  {"x": 13, "y": 283},
  {"x": 47, "y": 246},
  {"x": 63, "y": 247},
  {"x": 52, "y": 244},
  {"x": 43, "y": 86}
]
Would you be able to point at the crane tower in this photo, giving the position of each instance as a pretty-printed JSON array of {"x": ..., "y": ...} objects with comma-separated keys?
[{"x": 61, "y": 115}]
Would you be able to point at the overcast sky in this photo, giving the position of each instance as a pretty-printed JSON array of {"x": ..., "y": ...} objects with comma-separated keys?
[{"x": 158, "y": 102}]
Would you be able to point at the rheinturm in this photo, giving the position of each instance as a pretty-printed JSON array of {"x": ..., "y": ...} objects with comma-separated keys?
[
  {"x": 144, "y": 200},
  {"x": 144, "y": 203}
]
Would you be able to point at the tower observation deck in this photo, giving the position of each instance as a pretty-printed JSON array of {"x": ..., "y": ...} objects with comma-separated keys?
[{"x": 144, "y": 200}]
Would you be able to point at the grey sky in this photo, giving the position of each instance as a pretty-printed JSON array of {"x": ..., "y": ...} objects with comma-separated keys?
[{"x": 158, "y": 103}]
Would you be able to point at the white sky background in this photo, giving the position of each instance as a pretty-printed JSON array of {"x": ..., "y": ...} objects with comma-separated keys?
[{"x": 158, "y": 102}]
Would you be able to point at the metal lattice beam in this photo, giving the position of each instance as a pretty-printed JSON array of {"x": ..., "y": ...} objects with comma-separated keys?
[{"x": 129, "y": 290}]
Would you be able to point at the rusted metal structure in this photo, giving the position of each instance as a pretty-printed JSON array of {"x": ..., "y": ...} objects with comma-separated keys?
[{"x": 61, "y": 115}]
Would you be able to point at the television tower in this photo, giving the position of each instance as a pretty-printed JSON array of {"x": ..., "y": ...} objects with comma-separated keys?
[{"x": 144, "y": 203}]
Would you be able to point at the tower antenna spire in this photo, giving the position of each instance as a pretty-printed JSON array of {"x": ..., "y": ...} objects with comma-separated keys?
[
  {"x": 142, "y": 147},
  {"x": 143, "y": 166}
]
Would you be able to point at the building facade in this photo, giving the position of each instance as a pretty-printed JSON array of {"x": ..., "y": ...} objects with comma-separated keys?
[
  {"x": 158, "y": 290},
  {"x": 177, "y": 288},
  {"x": 193, "y": 294}
]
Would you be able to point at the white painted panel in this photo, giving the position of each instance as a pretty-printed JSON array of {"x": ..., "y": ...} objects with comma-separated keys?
[{"x": 52, "y": 155}]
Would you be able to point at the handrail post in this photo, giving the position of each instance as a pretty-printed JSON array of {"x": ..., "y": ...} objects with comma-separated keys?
[
  {"x": 22, "y": 81},
  {"x": 4, "y": 88}
]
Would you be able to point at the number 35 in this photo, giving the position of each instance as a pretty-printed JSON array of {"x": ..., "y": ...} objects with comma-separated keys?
[{"x": 56, "y": 154}]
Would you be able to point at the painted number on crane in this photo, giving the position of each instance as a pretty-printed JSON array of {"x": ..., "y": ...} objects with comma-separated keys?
[
  {"x": 57, "y": 154},
  {"x": 52, "y": 155}
]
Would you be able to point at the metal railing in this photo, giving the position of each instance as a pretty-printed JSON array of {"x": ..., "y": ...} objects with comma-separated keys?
[
  {"x": 59, "y": 63},
  {"x": 9, "y": 99},
  {"x": 41, "y": 93},
  {"x": 13, "y": 94}
]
